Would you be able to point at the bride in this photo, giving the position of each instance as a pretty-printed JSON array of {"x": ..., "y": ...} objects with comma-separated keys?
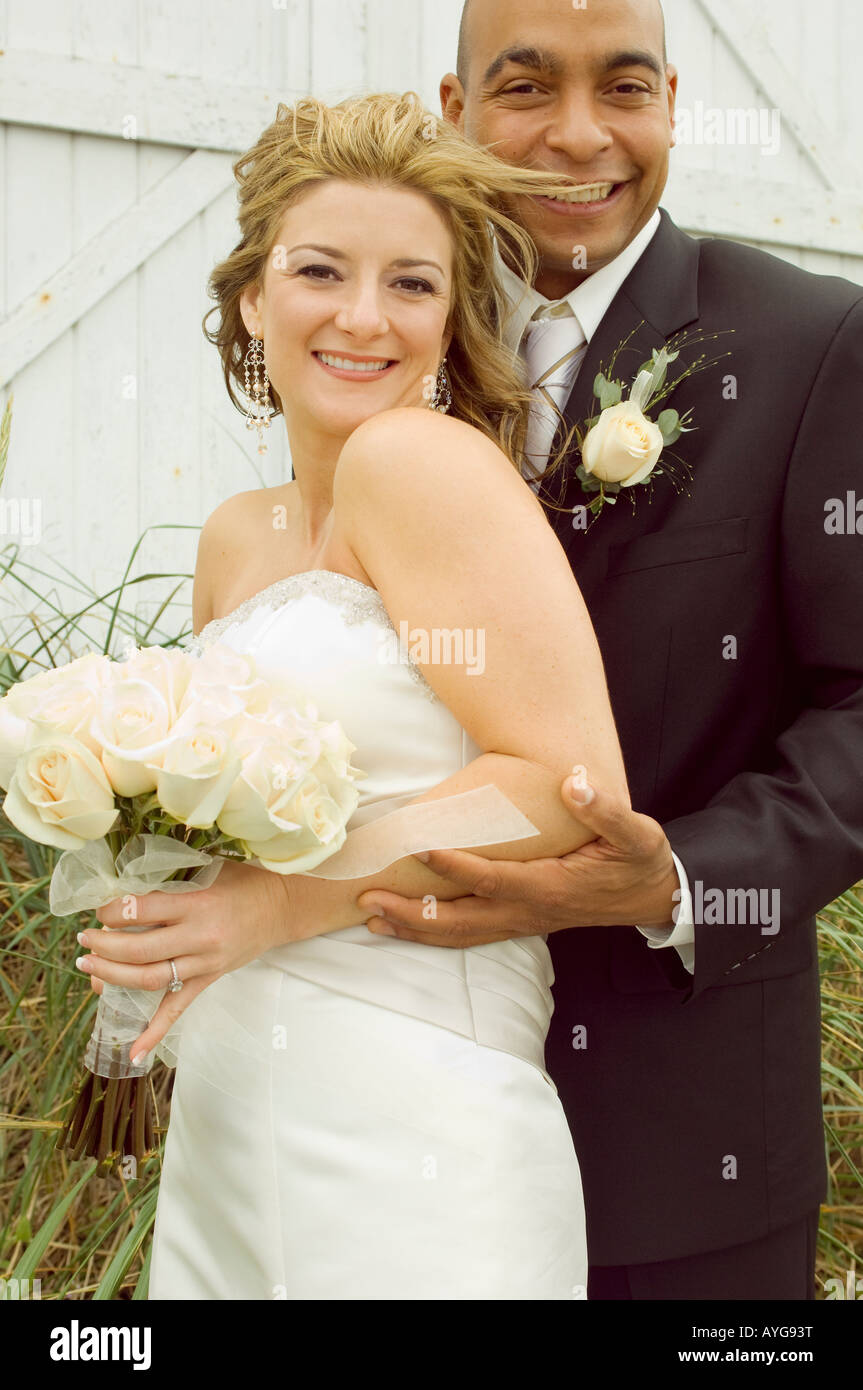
[{"x": 401, "y": 1139}]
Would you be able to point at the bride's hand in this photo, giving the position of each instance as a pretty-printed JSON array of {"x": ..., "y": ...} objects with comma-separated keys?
[{"x": 207, "y": 933}]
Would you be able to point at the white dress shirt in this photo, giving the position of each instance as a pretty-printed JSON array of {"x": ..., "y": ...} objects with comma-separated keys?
[{"x": 589, "y": 302}]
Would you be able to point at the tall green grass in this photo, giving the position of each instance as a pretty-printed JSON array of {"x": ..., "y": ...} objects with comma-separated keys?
[
  {"x": 81, "y": 1233},
  {"x": 85, "y": 1235}
]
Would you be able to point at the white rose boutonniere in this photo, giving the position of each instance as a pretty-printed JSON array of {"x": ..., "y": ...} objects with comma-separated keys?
[{"x": 623, "y": 446}]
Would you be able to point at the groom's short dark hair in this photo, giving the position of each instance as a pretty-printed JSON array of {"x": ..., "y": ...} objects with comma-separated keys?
[{"x": 462, "y": 62}]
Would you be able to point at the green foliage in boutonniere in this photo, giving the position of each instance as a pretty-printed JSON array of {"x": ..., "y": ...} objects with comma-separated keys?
[{"x": 621, "y": 445}]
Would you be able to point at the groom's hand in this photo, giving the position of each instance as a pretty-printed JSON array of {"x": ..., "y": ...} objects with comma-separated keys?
[{"x": 625, "y": 876}]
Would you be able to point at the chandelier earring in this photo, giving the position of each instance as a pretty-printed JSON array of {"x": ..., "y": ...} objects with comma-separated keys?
[
  {"x": 441, "y": 396},
  {"x": 257, "y": 391}
]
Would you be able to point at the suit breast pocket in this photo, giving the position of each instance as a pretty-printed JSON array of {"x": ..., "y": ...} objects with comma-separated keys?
[{"x": 708, "y": 540}]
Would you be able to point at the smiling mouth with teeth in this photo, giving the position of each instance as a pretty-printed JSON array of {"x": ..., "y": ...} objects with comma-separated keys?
[
  {"x": 344, "y": 364},
  {"x": 587, "y": 193}
]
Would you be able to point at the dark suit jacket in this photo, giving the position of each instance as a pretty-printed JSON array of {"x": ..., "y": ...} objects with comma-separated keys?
[{"x": 695, "y": 1101}]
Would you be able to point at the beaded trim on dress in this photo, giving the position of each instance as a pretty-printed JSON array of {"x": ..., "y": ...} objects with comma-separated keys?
[{"x": 358, "y": 602}]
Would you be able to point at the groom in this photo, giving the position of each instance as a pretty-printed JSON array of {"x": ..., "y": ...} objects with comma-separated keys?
[{"x": 685, "y": 1040}]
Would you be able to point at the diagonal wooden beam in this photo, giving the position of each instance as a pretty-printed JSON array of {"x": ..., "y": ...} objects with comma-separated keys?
[
  {"x": 110, "y": 256},
  {"x": 49, "y": 90},
  {"x": 747, "y": 36}
]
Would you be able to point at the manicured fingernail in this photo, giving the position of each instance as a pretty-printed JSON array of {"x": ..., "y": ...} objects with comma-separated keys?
[
  {"x": 82, "y": 940},
  {"x": 139, "y": 1059},
  {"x": 83, "y": 963},
  {"x": 582, "y": 794}
]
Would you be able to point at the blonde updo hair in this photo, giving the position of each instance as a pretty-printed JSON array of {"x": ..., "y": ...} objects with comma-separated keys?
[{"x": 391, "y": 139}]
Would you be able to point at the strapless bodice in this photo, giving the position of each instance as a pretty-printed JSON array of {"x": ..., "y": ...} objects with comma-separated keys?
[{"x": 332, "y": 635}]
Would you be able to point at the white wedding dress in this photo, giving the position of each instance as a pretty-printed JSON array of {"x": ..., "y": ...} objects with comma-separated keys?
[{"x": 382, "y": 1125}]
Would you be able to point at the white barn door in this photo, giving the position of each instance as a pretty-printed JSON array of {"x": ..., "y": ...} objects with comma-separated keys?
[{"x": 119, "y": 123}]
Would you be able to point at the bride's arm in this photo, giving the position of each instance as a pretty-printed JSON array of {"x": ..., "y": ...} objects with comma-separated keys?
[{"x": 454, "y": 539}]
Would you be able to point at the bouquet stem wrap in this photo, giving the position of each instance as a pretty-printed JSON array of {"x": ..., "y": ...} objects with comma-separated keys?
[{"x": 113, "y": 1112}]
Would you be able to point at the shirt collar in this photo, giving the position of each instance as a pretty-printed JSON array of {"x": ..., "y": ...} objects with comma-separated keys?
[{"x": 589, "y": 301}]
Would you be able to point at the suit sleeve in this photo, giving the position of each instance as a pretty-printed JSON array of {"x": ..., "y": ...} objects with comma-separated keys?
[{"x": 796, "y": 827}]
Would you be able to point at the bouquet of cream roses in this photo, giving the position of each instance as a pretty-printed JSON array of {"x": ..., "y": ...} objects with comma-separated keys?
[{"x": 148, "y": 772}]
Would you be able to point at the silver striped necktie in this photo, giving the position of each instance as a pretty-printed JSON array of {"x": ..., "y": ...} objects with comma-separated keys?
[{"x": 553, "y": 346}]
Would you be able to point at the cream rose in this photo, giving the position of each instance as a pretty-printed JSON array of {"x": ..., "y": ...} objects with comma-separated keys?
[
  {"x": 314, "y": 819},
  {"x": 14, "y": 735},
  {"x": 623, "y": 446},
  {"x": 67, "y": 707},
  {"x": 93, "y": 667},
  {"x": 134, "y": 719},
  {"x": 295, "y": 795},
  {"x": 220, "y": 667},
  {"x": 195, "y": 774},
  {"x": 255, "y": 807},
  {"x": 337, "y": 749},
  {"x": 60, "y": 794},
  {"x": 137, "y": 730},
  {"x": 60, "y": 700},
  {"x": 166, "y": 669}
]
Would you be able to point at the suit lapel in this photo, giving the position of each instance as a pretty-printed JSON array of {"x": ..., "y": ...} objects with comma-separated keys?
[{"x": 658, "y": 298}]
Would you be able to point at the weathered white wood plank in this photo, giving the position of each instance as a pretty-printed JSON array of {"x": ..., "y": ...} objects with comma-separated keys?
[
  {"x": 172, "y": 302},
  {"x": 286, "y": 38},
  {"x": 747, "y": 34},
  {"x": 109, "y": 175},
  {"x": 172, "y": 37},
  {"x": 393, "y": 46},
  {"x": 847, "y": 42},
  {"x": 231, "y": 47},
  {"x": 182, "y": 368},
  {"x": 44, "y": 467},
  {"x": 48, "y": 27},
  {"x": 714, "y": 89},
  {"x": 800, "y": 47},
  {"x": 63, "y": 93},
  {"x": 108, "y": 257},
  {"x": 438, "y": 46},
  {"x": 37, "y": 245},
  {"x": 105, "y": 30},
  {"x": 754, "y": 210},
  {"x": 337, "y": 49}
]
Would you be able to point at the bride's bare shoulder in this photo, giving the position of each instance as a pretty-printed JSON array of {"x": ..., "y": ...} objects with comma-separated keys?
[
  {"x": 242, "y": 507},
  {"x": 231, "y": 534},
  {"x": 413, "y": 442},
  {"x": 409, "y": 424},
  {"x": 235, "y": 526}
]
